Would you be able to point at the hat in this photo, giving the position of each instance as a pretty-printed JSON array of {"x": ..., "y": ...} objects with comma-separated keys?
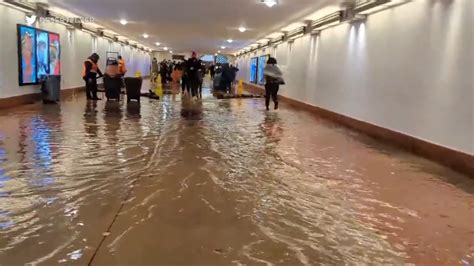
[{"x": 272, "y": 61}]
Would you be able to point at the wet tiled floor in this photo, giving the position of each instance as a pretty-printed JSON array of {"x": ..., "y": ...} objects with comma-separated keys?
[{"x": 221, "y": 183}]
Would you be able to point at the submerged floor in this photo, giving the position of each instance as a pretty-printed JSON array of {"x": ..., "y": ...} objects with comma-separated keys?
[{"x": 117, "y": 184}]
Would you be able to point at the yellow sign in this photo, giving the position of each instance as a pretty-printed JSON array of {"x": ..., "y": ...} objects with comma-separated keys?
[
  {"x": 138, "y": 74},
  {"x": 159, "y": 86},
  {"x": 240, "y": 88}
]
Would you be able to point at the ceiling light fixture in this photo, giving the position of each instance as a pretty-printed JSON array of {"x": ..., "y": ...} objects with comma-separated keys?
[
  {"x": 270, "y": 3},
  {"x": 165, "y": 48},
  {"x": 242, "y": 29},
  {"x": 222, "y": 47},
  {"x": 157, "y": 43},
  {"x": 123, "y": 22},
  {"x": 145, "y": 35},
  {"x": 219, "y": 51},
  {"x": 171, "y": 52},
  {"x": 229, "y": 40}
]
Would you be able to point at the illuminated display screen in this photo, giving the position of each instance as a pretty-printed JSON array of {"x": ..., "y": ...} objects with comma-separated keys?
[
  {"x": 253, "y": 69},
  {"x": 262, "y": 61},
  {"x": 38, "y": 54}
]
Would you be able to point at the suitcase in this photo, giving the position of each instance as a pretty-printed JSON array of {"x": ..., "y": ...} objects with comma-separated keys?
[
  {"x": 112, "y": 87},
  {"x": 133, "y": 87}
]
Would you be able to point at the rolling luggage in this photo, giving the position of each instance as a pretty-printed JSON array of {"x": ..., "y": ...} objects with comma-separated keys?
[
  {"x": 112, "y": 87},
  {"x": 133, "y": 87}
]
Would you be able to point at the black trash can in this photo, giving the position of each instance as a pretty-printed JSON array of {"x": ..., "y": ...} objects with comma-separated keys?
[
  {"x": 112, "y": 87},
  {"x": 134, "y": 87},
  {"x": 51, "y": 88}
]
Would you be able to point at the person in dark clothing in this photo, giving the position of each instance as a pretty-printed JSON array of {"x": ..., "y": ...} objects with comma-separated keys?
[
  {"x": 212, "y": 71},
  {"x": 226, "y": 78},
  {"x": 163, "y": 72},
  {"x": 192, "y": 68},
  {"x": 185, "y": 81},
  {"x": 273, "y": 79},
  {"x": 234, "y": 71},
  {"x": 90, "y": 74}
]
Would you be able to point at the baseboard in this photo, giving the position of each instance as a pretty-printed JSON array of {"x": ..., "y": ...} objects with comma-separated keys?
[
  {"x": 15, "y": 101},
  {"x": 456, "y": 160}
]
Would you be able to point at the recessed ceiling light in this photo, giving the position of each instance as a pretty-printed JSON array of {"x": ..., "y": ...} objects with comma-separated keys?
[
  {"x": 171, "y": 52},
  {"x": 157, "y": 43},
  {"x": 165, "y": 48},
  {"x": 222, "y": 47},
  {"x": 215, "y": 54},
  {"x": 242, "y": 29},
  {"x": 123, "y": 22},
  {"x": 219, "y": 51},
  {"x": 270, "y": 3},
  {"x": 229, "y": 40},
  {"x": 145, "y": 35}
]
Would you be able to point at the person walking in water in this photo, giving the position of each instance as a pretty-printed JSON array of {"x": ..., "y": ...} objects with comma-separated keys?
[
  {"x": 273, "y": 80},
  {"x": 192, "y": 67}
]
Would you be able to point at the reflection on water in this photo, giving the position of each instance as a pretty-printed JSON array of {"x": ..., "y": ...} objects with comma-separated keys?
[{"x": 164, "y": 179}]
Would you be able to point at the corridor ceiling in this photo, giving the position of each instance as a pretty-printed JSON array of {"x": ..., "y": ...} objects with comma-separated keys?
[{"x": 199, "y": 25}]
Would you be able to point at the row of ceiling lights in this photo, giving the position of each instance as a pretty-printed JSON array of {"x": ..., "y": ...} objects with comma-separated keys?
[
  {"x": 269, "y": 3},
  {"x": 146, "y": 36},
  {"x": 368, "y": 8}
]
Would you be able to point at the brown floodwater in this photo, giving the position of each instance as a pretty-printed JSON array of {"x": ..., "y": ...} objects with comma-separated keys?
[{"x": 218, "y": 182}]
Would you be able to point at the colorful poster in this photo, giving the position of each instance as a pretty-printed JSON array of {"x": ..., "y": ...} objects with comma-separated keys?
[
  {"x": 262, "y": 61},
  {"x": 253, "y": 69},
  {"x": 42, "y": 58},
  {"x": 54, "y": 54},
  {"x": 27, "y": 54}
]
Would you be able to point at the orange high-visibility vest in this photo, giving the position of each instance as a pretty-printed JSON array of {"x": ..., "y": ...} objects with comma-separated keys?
[
  {"x": 121, "y": 66},
  {"x": 94, "y": 68}
]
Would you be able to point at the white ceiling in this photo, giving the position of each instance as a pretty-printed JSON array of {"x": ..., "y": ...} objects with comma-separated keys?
[{"x": 199, "y": 25}]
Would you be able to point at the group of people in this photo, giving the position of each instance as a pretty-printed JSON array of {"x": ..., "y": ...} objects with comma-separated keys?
[
  {"x": 191, "y": 73},
  {"x": 91, "y": 72},
  {"x": 224, "y": 75}
]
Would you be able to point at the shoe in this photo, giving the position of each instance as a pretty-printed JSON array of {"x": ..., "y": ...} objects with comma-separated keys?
[
  {"x": 268, "y": 109},
  {"x": 276, "y": 106}
]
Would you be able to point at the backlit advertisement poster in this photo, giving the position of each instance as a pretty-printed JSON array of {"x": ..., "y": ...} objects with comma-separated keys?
[
  {"x": 39, "y": 54},
  {"x": 54, "y": 54},
  {"x": 262, "y": 61},
  {"x": 253, "y": 69},
  {"x": 42, "y": 54},
  {"x": 27, "y": 55}
]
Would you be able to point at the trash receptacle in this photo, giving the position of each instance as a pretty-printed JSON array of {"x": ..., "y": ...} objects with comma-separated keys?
[
  {"x": 134, "y": 87},
  {"x": 112, "y": 86},
  {"x": 51, "y": 89}
]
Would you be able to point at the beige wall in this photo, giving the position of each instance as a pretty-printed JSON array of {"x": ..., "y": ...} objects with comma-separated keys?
[
  {"x": 409, "y": 69},
  {"x": 76, "y": 46}
]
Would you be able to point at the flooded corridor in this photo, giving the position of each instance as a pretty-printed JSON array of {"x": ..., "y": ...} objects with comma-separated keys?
[{"x": 111, "y": 183}]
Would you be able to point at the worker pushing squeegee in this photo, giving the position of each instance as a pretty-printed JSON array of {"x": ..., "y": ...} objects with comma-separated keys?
[{"x": 90, "y": 74}]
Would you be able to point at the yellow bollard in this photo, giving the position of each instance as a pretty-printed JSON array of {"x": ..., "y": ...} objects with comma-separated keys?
[
  {"x": 138, "y": 74},
  {"x": 240, "y": 89}
]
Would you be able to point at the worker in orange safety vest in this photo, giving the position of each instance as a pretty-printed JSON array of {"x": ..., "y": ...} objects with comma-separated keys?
[
  {"x": 121, "y": 65},
  {"x": 90, "y": 74}
]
